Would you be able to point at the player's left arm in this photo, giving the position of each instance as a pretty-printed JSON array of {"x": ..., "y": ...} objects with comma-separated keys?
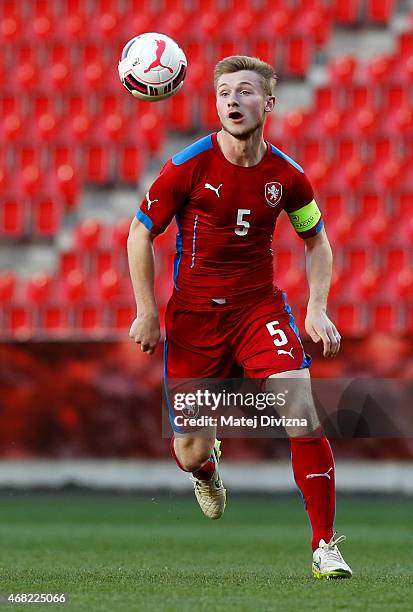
[
  {"x": 319, "y": 264},
  {"x": 305, "y": 217}
]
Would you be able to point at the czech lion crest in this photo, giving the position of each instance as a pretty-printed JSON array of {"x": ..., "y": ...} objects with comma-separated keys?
[{"x": 273, "y": 193}]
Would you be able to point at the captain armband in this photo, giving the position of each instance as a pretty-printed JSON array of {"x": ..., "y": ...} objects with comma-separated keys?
[{"x": 305, "y": 218}]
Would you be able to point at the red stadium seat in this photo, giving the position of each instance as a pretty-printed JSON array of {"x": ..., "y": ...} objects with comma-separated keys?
[
  {"x": 277, "y": 20},
  {"x": 88, "y": 234},
  {"x": 74, "y": 286},
  {"x": 120, "y": 233},
  {"x": 335, "y": 204},
  {"x": 386, "y": 317},
  {"x": 54, "y": 319},
  {"x": 264, "y": 48},
  {"x": 27, "y": 73},
  {"x": 19, "y": 320},
  {"x": 319, "y": 173},
  {"x": 71, "y": 260},
  {"x": 327, "y": 98},
  {"x": 346, "y": 149},
  {"x": 380, "y": 69},
  {"x": 96, "y": 163},
  {"x": 41, "y": 20},
  {"x": 8, "y": 282},
  {"x": 346, "y": 11},
  {"x": 152, "y": 130},
  {"x": 383, "y": 149},
  {"x": 175, "y": 22},
  {"x": 405, "y": 45},
  {"x": 12, "y": 127},
  {"x": 38, "y": 288},
  {"x": 294, "y": 123},
  {"x": 209, "y": 112},
  {"x": 360, "y": 259},
  {"x": 90, "y": 318},
  {"x": 179, "y": 112},
  {"x": 198, "y": 79},
  {"x": 129, "y": 163},
  {"x": 109, "y": 285},
  {"x": 122, "y": 316},
  {"x": 404, "y": 283},
  {"x": 394, "y": 96},
  {"x": 208, "y": 24},
  {"x": 342, "y": 70},
  {"x": 13, "y": 218},
  {"x": 11, "y": 24},
  {"x": 330, "y": 123},
  {"x": 104, "y": 260},
  {"x": 379, "y": 11},
  {"x": 46, "y": 216},
  {"x": 65, "y": 181},
  {"x": 109, "y": 19},
  {"x": 395, "y": 259},
  {"x": 297, "y": 54},
  {"x": 350, "y": 319},
  {"x": 368, "y": 285},
  {"x": 312, "y": 150},
  {"x": 388, "y": 175},
  {"x": 313, "y": 22},
  {"x": 359, "y": 96}
]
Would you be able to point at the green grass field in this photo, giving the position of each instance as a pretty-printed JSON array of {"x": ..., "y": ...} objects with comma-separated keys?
[{"x": 122, "y": 553}]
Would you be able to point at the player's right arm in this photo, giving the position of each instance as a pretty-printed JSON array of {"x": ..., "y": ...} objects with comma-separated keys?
[
  {"x": 160, "y": 204},
  {"x": 145, "y": 328}
]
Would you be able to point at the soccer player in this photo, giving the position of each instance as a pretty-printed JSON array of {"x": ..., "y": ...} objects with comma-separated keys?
[{"x": 226, "y": 192}]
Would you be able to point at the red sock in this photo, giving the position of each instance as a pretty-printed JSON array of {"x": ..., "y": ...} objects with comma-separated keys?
[
  {"x": 313, "y": 467},
  {"x": 206, "y": 470}
]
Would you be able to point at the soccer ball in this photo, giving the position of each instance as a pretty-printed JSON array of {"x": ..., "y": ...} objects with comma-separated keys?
[{"x": 152, "y": 66}]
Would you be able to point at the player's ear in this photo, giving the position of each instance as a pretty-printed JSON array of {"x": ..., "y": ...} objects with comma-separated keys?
[{"x": 269, "y": 104}]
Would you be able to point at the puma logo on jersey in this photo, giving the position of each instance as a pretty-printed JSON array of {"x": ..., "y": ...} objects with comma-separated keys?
[
  {"x": 216, "y": 189},
  {"x": 326, "y": 475},
  {"x": 150, "y": 202},
  {"x": 282, "y": 352}
]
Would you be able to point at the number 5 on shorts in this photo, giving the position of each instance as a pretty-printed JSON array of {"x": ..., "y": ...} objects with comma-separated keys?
[{"x": 281, "y": 338}]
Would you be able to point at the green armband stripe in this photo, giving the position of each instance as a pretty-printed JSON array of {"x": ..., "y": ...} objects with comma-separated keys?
[{"x": 305, "y": 218}]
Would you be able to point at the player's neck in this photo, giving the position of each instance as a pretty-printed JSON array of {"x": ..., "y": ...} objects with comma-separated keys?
[{"x": 242, "y": 152}]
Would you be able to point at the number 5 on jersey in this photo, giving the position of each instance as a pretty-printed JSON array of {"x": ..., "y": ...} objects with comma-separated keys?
[{"x": 244, "y": 225}]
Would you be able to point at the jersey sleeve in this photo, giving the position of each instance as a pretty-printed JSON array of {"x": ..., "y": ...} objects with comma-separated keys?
[
  {"x": 164, "y": 198},
  {"x": 302, "y": 209}
]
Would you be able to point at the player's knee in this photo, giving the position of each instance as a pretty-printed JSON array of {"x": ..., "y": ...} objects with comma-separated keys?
[
  {"x": 304, "y": 421},
  {"x": 194, "y": 452}
]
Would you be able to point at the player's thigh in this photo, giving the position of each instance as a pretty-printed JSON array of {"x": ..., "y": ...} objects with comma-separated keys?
[
  {"x": 267, "y": 340},
  {"x": 299, "y": 402},
  {"x": 195, "y": 345},
  {"x": 196, "y": 349}
]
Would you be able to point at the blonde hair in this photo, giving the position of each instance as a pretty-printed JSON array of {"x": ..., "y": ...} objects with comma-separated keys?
[{"x": 234, "y": 63}]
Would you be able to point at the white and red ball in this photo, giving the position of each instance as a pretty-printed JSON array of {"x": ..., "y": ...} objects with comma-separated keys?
[{"x": 152, "y": 66}]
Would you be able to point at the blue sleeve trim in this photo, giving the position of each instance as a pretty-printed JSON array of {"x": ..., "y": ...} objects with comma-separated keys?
[
  {"x": 319, "y": 227},
  {"x": 286, "y": 157},
  {"x": 148, "y": 223},
  {"x": 193, "y": 150}
]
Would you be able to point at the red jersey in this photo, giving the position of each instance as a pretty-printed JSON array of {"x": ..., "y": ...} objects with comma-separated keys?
[{"x": 226, "y": 215}]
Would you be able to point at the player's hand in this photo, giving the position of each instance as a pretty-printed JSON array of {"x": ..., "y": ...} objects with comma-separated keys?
[
  {"x": 319, "y": 327},
  {"x": 145, "y": 330}
]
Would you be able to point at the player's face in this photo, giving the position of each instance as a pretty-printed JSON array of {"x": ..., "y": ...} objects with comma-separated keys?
[{"x": 242, "y": 103}]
